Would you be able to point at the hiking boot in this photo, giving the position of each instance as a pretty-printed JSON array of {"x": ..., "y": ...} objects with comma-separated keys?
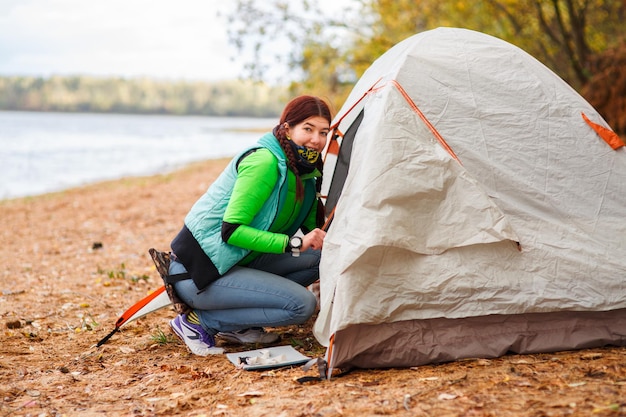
[
  {"x": 252, "y": 335},
  {"x": 195, "y": 337}
]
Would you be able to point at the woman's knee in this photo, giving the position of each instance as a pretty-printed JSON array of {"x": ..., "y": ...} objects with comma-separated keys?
[{"x": 306, "y": 307}]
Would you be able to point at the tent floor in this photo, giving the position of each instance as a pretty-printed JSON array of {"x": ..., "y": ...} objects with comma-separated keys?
[{"x": 420, "y": 342}]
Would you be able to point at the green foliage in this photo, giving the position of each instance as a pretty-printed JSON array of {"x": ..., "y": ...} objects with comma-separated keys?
[
  {"x": 87, "y": 323},
  {"x": 122, "y": 274},
  {"x": 142, "y": 96},
  {"x": 158, "y": 336}
]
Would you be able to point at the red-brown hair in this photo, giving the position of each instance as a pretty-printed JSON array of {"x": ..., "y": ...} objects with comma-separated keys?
[{"x": 296, "y": 111}]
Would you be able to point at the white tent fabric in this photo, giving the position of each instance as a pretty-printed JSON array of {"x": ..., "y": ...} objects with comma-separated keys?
[{"x": 475, "y": 190}]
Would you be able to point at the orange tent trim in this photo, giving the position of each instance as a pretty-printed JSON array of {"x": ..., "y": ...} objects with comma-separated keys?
[{"x": 607, "y": 135}]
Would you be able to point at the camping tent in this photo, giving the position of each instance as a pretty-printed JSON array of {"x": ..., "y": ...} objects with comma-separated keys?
[{"x": 478, "y": 207}]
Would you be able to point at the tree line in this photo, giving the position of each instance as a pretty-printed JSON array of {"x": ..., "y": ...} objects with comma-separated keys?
[
  {"x": 583, "y": 41},
  {"x": 140, "y": 96}
]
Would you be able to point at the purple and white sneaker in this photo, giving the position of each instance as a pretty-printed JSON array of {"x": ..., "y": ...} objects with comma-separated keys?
[{"x": 195, "y": 337}]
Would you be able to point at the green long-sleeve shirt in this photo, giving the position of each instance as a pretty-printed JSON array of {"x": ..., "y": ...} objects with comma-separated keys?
[{"x": 257, "y": 175}]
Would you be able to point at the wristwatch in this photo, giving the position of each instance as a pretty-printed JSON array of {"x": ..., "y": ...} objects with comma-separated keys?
[{"x": 295, "y": 242}]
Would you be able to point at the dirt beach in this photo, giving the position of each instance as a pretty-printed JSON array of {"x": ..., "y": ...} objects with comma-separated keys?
[{"x": 73, "y": 261}]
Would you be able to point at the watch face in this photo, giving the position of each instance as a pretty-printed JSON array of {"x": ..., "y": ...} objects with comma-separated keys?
[{"x": 295, "y": 242}]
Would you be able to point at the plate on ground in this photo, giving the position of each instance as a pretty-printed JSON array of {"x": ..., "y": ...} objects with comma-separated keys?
[{"x": 271, "y": 357}]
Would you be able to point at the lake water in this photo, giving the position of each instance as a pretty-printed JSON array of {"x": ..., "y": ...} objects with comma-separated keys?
[{"x": 44, "y": 152}]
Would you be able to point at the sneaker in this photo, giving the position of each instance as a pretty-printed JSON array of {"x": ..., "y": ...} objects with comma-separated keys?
[
  {"x": 195, "y": 337},
  {"x": 252, "y": 335}
]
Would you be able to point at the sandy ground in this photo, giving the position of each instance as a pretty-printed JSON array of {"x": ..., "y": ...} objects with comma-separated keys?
[{"x": 72, "y": 262}]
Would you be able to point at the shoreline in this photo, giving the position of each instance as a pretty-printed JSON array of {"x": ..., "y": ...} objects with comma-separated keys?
[{"x": 190, "y": 166}]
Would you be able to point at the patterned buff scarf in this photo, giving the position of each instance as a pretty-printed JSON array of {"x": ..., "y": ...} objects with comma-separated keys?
[{"x": 307, "y": 158}]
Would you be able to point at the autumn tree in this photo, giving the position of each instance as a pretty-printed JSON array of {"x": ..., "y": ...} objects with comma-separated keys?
[
  {"x": 294, "y": 43},
  {"x": 329, "y": 53},
  {"x": 564, "y": 34}
]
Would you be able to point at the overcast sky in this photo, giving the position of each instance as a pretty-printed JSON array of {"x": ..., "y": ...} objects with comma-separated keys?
[{"x": 174, "y": 39}]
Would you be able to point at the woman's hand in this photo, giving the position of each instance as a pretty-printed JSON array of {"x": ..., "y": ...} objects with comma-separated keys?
[{"x": 314, "y": 239}]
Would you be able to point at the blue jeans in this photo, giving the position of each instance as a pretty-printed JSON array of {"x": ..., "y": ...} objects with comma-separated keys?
[{"x": 271, "y": 291}]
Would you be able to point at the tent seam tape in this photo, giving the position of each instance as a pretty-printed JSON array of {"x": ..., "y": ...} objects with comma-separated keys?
[{"x": 425, "y": 120}]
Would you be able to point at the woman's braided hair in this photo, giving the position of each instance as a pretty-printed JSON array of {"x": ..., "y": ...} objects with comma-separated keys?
[{"x": 296, "y": 111}]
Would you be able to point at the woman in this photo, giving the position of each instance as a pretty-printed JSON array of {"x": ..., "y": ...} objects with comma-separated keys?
[{"x": 247, "y": 268}]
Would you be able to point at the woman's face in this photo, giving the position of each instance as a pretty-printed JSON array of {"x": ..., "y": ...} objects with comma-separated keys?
[{"x": 310, "y": 133}]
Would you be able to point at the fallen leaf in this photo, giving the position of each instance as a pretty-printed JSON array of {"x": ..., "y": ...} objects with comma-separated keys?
[
  {"x": 591, "y": 356},
  {"x": 446, "y": 396},
  {"x": 16, "y": 324},
  {"x": 406, "y": 401}
]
